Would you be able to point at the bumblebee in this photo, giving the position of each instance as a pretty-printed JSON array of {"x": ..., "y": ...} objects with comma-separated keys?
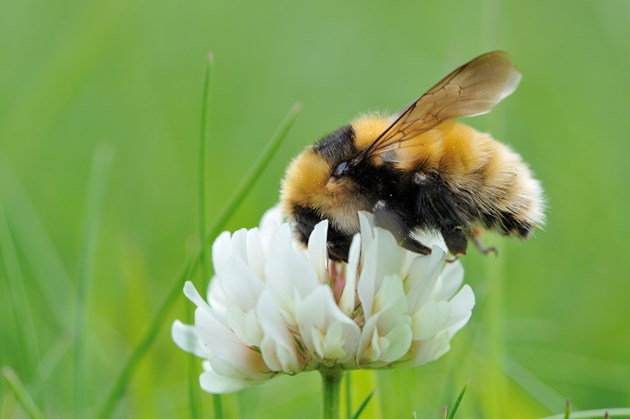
[{"x": 420, "y": 170}]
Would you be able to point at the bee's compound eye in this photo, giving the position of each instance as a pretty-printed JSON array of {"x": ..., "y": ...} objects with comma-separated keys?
[{"x": 341, "y": 168}]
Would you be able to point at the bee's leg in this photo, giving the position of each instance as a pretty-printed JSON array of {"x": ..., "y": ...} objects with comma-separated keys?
[
  {"x": 438, "y": 206},
  {"x": 475, "y": 237},
  {"x": 455, "y": 240},
  {"x": 393, "y": 221},
  {"x": 338, "y": 244},
  {"x": 415, "y": 246}
]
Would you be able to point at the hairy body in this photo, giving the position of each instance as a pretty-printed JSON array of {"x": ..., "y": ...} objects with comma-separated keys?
[{"x": 426, "y": 172}]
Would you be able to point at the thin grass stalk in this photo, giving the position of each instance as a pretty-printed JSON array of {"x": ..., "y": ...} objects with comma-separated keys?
[
  {"x": 201, "y": 170},
  {"x": 458, "y": 401},
  {"x": 29, "y": 234},
  {"x": 496, "y": 404},
  {"x": 47, "y": 364},
  {"x": 141, "y": 349},
  {"x": 97, "y": 185},
  {"x": 363, "y": 405},
  {"x": 27, "y": 353},
  {"x": 251, "y": 177},
  {"x": 535, "y": 386},
  {"x": 193, "y": 264},
  {"x": 194, "y": 395},
  {"x": 20, "y": 393}
]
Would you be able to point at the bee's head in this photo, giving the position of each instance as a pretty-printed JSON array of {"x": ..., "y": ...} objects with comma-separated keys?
[
  {"x": 316, "y": 188},
  {"x": 322, "y": 183}
]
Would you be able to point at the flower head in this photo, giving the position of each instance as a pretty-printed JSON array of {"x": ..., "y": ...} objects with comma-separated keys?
[{"x": 273, "y": 307}]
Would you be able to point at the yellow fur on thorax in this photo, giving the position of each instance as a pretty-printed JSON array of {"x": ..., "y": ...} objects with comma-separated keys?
[
  {"x": 449, "y": 147},
  {"x": 368, "y": 127}
]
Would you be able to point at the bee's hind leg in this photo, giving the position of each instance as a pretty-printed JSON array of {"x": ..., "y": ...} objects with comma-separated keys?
[{"x": 475, "y": 237}]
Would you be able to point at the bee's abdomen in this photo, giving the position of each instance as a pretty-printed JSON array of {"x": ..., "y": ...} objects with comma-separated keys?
[{"x": 494, "y": 185}]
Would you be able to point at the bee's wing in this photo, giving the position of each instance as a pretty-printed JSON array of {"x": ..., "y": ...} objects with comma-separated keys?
[{"x": 472, "y": 89}]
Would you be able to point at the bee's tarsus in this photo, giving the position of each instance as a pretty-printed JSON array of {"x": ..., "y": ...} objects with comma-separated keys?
[
  {"x": 483, "y": 249},
  {"x": 452, "y": 259}
]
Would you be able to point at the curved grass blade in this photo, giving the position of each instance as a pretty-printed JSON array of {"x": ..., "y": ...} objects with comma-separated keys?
[
  {"x": 18, "y": 389},
  {"x": 193, "y": 264},
  {"x": 363, "y": 405},
  {"x": 458, "y": 401}
]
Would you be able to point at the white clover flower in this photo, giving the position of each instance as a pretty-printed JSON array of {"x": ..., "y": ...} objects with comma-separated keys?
[{"x": 273, "y": 307}]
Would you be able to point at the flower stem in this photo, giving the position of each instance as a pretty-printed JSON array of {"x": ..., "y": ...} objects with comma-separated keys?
[{"x": 331, "y": 386}]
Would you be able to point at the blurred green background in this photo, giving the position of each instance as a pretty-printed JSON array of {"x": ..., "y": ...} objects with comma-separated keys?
[{"x": 553, "y": 315}]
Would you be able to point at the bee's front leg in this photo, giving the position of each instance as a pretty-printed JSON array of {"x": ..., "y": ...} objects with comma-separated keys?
[{"x": 338, "y": 244}]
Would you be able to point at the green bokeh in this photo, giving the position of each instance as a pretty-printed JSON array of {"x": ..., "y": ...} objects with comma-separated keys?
[{"x": 553, "y": 315}]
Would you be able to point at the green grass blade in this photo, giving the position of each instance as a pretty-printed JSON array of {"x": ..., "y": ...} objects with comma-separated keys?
[
  {"x": 31, "y": 238},
  {"x": 193, "y": 382},
  {"x": 50, "y": 360},
  {"x": 18, "y": 389},
  {"x": 20, "y": 305},
  {"x": 458, "y": 401},
  {"x": 536, "y": 387},
  {"x": 617, "y": 413},
  {"x": 190, "y": 268},
  {"x": 144, "y": 345},
  {"x": 495, "y": 398},
  {"x": 254, "y": 173},
  {"x": 97, "y": 186},
  {"x": 567, "y": 409},
  {"x": 201, "y": 174},
  {"x": 363, "y": 405},
  {"x": 193, "y": 386}
]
